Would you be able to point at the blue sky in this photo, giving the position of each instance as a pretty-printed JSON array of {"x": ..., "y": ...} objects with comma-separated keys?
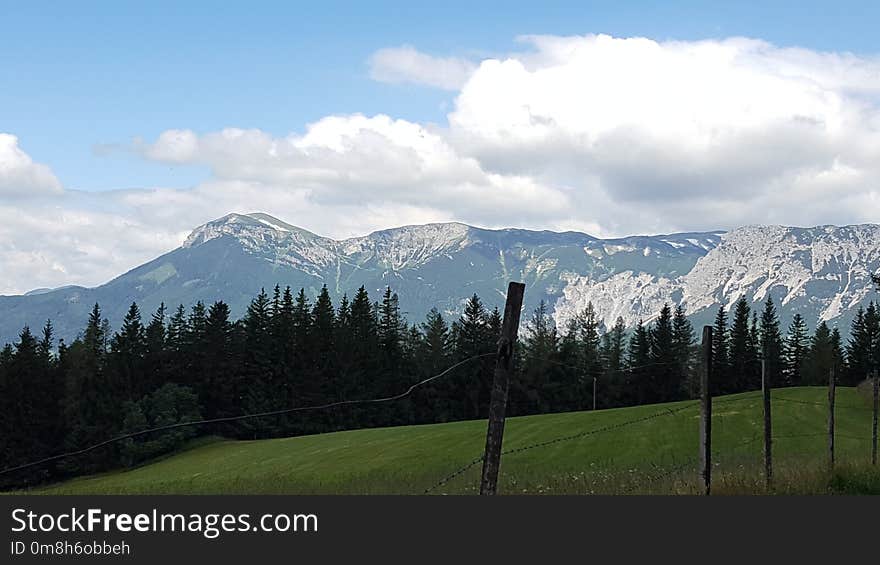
[{"x": 76, "y": 77}]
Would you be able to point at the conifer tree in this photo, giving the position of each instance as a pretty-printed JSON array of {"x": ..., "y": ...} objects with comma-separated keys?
[
  {"x": 262, "y": 391},
  {"x": 473, "y": 339},
  {"x": 683, "y": 342},
  {"x": 325, "y": 382},
  {"x": 219, "y": 393},
  {"x": 588, "y": 336},
  {"x": 128, "y": 349},
  {"x": 534, "y": 387},
  {"x": 744, "y": 373},
  {"x": 721, "y": 381},
  {"x": 640, "y": 379},
  {"x": 667, "y": 379},
  {"x": 859, "y": 349},
  {"x": 795, "y": 350},
  {"x": 155, "y": 360},
  {"x": 614, "y": 390},
  {"x": 771, "y": 343}
]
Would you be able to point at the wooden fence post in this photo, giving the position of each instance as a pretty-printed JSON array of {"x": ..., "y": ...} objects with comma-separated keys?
[
  {"x": 706, "y": 412},
  {"x": 874, "y": 428},
  {"x": 768, "y": 426},
  {"x": 831, "y": 392},
  {"x": 595, "y": 403},
  {"x": 500, "y": 384}
]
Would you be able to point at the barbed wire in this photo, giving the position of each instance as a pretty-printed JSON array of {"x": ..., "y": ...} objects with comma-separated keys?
[
  {"x": 603, "y": 429},
  {"x": 243, "y": 417},
  {"x": 454, "y": 474},
  {"x": 824, "y": 404}
]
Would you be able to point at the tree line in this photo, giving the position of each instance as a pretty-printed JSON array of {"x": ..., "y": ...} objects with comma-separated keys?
[{"x": 289, "y": 351}]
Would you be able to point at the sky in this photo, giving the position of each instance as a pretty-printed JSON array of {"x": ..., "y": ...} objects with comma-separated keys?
[{"x": 124, "y": 125}]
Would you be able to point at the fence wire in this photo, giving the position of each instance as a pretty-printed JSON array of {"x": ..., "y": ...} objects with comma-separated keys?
[{"x": 295, "y": 409}]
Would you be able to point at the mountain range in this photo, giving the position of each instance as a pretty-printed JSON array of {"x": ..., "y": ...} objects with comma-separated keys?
[{"x": 822, "y": 272}]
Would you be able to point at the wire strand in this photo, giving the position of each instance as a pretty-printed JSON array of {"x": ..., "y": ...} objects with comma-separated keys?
[{"x": 242, "y": 417}]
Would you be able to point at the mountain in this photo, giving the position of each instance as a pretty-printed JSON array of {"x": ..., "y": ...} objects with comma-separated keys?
[{"x": 823, "y": 272}]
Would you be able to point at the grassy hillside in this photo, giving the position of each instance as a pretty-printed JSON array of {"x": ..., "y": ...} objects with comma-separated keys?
[{"x": 591, "y": 452}]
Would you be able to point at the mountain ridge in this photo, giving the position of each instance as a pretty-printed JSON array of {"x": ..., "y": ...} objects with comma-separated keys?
[{"x": 822, "y": 271}]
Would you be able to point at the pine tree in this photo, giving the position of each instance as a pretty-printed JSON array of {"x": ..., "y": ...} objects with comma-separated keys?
[
  {"x": 771, "y": 342},
  {"x": 534, "y": 387},
  {"x": 859, "y": 349},
  {"x": 795, "y": 350},
  {"x": 363, "y": 349},
  {"x": 614, "y": 390},
  {"x": 820, "y": 358},
  {"x": 220, "y": 394},
  {"x": 473, "y": 380},
  {"x": 155, "y": 361},
  {"x": 128, "y": 348},
  {"x": 25, "y": 386},
  {"x": 589, "y": 340},
  {"x": 744, "y": 371},
  {"x": 325, "y": 382},
  {"x": 194, "y": 362},
  {"x": 683, "y": 342},
  {"x": 640, "y": 379},
  {"x": 721, "y": 382},
  {"x": 668, "y": 384},
  {"x": 258, "y": 378},
  {"x": 176, "y": 344},
  {"x": 92, "y": 409}
]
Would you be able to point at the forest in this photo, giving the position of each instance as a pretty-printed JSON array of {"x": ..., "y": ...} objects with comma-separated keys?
[{"x": 292, "y": 351}]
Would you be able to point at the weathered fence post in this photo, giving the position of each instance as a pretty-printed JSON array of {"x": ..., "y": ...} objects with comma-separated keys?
[
  {"x": 595, "y": 403},
  {"x": 874, "y": 428},
  {"x": 500, "y": 384},
  {"x": 706, "y": 411},
  {"x": 831, "y": 392},
  {"x": 768, "y": 426}
]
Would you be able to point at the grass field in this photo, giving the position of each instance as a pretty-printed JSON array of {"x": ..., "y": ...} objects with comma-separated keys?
[{"x": 653, "y": 455}]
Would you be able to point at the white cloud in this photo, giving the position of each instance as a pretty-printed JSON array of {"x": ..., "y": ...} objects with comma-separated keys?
[
  {"x": 19, "y": 175},
  {"x": 407, "y": 65},
  {"x": 611, "y": 136}
]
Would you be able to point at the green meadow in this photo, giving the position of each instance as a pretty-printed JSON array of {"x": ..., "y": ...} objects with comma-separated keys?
[{"x": 645, "y": 449}]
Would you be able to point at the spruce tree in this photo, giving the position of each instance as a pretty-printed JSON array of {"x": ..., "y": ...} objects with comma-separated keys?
[
  {"x": 155, "y": 361},
  {"x": 771, "y": 343},
  {"x": 258, "y": 378},
  {"x": 667, "y": 379},
  {"x": 859, "y": 349},
  {"x": 721, "y": 383},
  {"x": 473, "y": 379},
  {"x": 535, "y": 386},
  {"x": 588, "y": 336},
  {"x": 220, "y": 394},
  {"x": 639, "y": 376},
  {"x": 795, "y": 350},
  {"x": 128, "y": 348},
  {"x": 614, "y": 390},
  {"x": 325, "y": 383},
  {"x": 744, "y": 372},
  {"x": 683, "y": 343}
]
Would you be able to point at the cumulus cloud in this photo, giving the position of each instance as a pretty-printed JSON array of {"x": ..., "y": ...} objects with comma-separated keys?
[
  {"x": 405, "y": 64},
  {"x": 359, "y": 160},
  {"x": 606, "y": 135},
  {"x": 19, "y": 175}
]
